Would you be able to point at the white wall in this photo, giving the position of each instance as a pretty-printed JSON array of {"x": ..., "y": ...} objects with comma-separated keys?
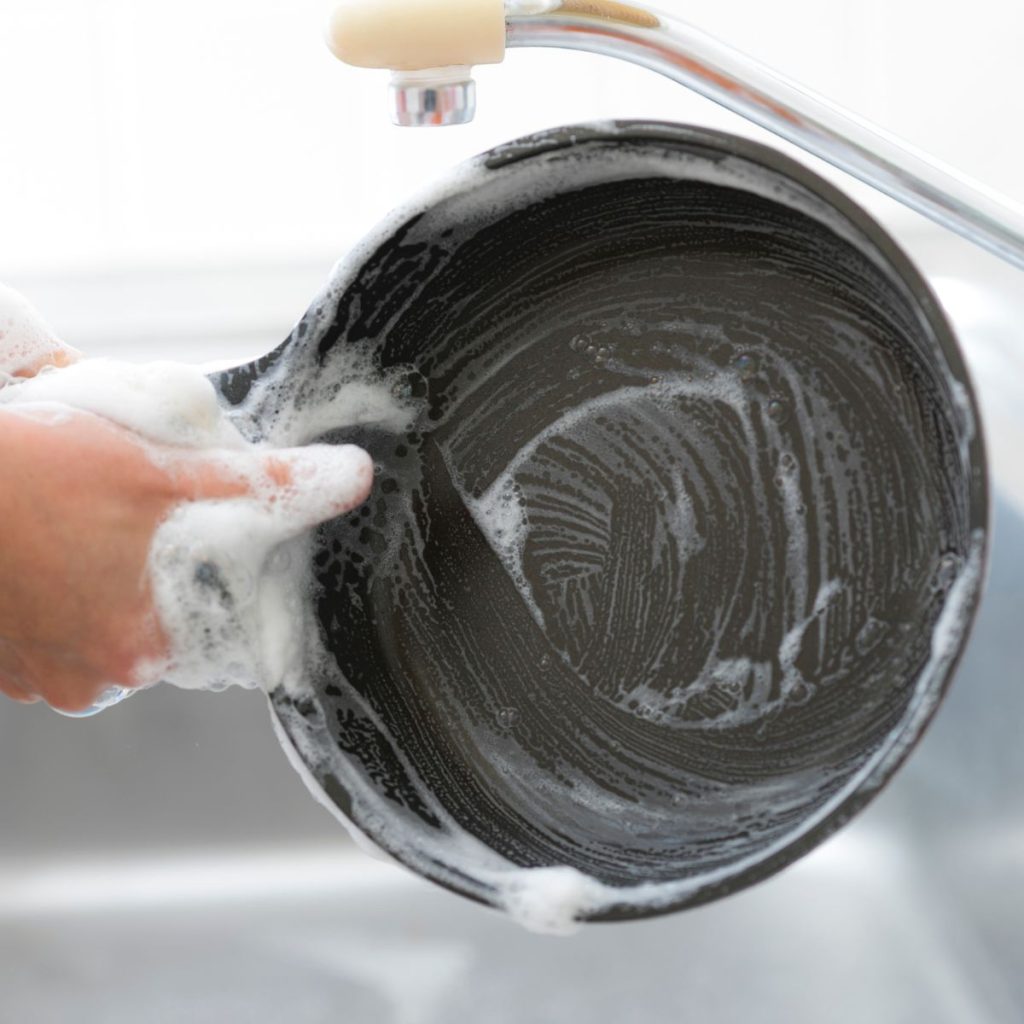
[{"x": 221, "y": 134}]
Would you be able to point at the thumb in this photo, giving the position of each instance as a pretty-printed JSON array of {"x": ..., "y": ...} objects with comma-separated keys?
[{"x": 27, "y": 342}]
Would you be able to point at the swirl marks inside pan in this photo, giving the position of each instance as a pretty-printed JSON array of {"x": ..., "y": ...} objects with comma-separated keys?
[{"x": 650, "y": 588}]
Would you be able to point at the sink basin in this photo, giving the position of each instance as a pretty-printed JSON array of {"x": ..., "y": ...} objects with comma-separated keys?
[
  {"x": 853, "y": 933},
  {"x": 161, "y": 863}
]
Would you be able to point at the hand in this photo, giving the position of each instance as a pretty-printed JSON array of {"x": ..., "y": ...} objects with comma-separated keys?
[{"x": 80, "y": 501}]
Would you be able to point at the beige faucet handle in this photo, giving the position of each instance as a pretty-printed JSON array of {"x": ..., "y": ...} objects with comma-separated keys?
[{"x": 412, "y": 35}]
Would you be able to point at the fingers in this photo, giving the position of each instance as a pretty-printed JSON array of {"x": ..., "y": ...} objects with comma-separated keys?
[
  {"x": 73, "y": 694},
  {"x": 231, "y": 474},
  {"x": 11, "y": 689},
  {"x": 13, "y": 675},
  {"x": 28, "y": 677},
  {"x": 73, "y": 683},
  {"x": 206, "y": 477},
  {"x": 57, "y": 354},
  {"x": 304, "y": 485},
  {"x": 325, "y": 481}
]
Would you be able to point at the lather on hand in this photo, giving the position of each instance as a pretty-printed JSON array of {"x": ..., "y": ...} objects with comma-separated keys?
[{"x": 80, "y": 501}]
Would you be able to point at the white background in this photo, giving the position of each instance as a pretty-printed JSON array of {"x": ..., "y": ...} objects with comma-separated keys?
[{"x": 187, "y": 173}]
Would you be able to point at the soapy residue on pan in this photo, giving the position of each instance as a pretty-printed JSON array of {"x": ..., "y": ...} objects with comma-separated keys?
[
  {"x": 700, "y": 460},
  {"x": 770, "y": 499}
]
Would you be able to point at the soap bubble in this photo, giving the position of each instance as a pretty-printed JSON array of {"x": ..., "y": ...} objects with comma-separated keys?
[{"x": 745, "y": 366}]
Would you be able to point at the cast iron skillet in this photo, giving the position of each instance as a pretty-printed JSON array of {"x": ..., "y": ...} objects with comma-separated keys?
[{"x": 732, "y": 447}]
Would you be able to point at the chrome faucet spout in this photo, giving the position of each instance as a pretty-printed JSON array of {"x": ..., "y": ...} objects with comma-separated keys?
[{"x": 677, "y": 50}]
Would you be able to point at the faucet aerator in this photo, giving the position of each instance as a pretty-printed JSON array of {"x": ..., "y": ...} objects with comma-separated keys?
[{"x": 432, "y": 98}]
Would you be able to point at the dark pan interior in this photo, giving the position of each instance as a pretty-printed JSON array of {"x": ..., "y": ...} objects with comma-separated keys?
[{"x": 729, "y": 482}]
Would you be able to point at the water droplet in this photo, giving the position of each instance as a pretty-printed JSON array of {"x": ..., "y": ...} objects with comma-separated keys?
[
  {"x": 778, "y": 410},
  {"x": 745, "y": 366},
  {"x": 545, "y": 661},
  {"x": 647, "y": 712},
  {"x": 507, "y": 717},
  {"x": 378, "y": 468},
  {"x": 787, "y": 462},
  {"x": 801, "y": 510}
]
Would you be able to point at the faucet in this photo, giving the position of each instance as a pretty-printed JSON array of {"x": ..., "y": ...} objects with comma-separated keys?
[{"x": 430, "y": 46}]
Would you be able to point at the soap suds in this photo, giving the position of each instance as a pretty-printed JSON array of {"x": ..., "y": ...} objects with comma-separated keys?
[
  {"x": 553, "y": 898},
  {"x": 229, "y": 577},
  {"x": 166, "y": 403},
  {"x": 26, "y": 339},
  {"x": 556, "y": 900},
  {"x": 818, "y": 602}
]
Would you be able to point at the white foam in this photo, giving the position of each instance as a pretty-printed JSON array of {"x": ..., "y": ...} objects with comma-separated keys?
[
  {"x": 555, "y": 898},
  {"x": 234, "y": 613},
  {"x": 550, "y": 899},
  {"x": 167, "y": 403},
  {"x": 228, "y": 575},
  {"x": 26, "y": 339},
  {"x": 748, "y": 683}
]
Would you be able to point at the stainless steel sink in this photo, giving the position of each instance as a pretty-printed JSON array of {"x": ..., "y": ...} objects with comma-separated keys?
[{"x": 161, "y": 863}]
